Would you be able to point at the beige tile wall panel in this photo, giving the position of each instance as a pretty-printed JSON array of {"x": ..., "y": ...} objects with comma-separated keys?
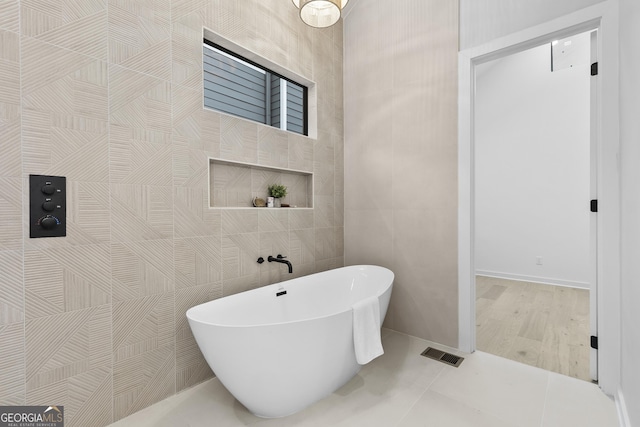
[
  {"x": 300, "y": 219},
  {"x": 182, "y": 8},
  {"x": 300, "y": 152},
  {"x": 190, "y": 166},
  {"x": 231, "y": 186},
  {"x": 137, "y": 157},
  {"x": 324, "y": 170},
  {"x": 193, "y": 217},
  {"x": 339, "y": 242},
  {"x": 66, "y": 279},
  {"x": 191, "y": 368},
  {"x": 142, "y": 380},
  {"x": 68, "y": 359},
  {"x": 44, "y": 65},
  {"x": 239, "y": 221},
  {"x": 142, "y": 268},
  {"x": 10, "y": 154},
  {"x": 234, "y": 20},
  {"x": 54, "y": 145},
  {"x": 323, "y": 211},
  {"x": 371, "y": 231},
  {"x": 11, "y": 290},
  {"x": 239, "y": 255},
  {"x": 277, "y": 27},
  {"x": 198, "y": 261},
  {"x": 273, "y": 147},
  {"x": 325, "y": 244},
  {"x": 329, "y": 264},
  {"x": 139, "y": 36},
  {"x": 302, "y": 249},
  {"x": 12, "y": 371},
  {"x": 81, "y": 26},
  {"x": 198, "y": 127},
  {"x": 141, "y": 212},
  {"x": 88, "y": 208},
  {"x": 338, "y": 181},
  {"x": 10, "y": 148},
  {"x": 238, "y": 139},
  {"x": 143, "y": 352},
  {"x": 401, "y": 157},
  {"x": 10, "y": 15},
  {"x": 273, "y": 220},
  {"x": 142, "y": 325},
  {"x": 10, "y": 214},
  {"x": 76, "y": 25},
  {"x": 141, "y": 102},
  {"x": 322, "y": 48},
  {"x": 241, "y": 284},
  {"x": 186, "y": 48},
  {"x": 65, "y": 113}
]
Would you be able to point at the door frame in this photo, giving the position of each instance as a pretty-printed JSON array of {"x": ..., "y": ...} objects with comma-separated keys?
[{"x": 604, "y": 18}]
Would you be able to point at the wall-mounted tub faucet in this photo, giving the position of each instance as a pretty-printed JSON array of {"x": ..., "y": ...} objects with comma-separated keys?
[{"x": 281, "y": 259}]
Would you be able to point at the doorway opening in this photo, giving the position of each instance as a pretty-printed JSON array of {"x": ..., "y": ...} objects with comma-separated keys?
[{"x": 534, "y": 176}]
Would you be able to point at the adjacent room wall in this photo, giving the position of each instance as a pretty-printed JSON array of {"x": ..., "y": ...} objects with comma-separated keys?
[
  {"x": 401, "y": 156},
  {"x": 532, "y": 151},
  {"x": 630, "y": 135},
  {"x": 109, "y": 94}
]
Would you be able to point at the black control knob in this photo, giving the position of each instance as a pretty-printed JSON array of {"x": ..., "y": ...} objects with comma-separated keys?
[
  {"x": 48, "y": 206},
  {"x": 48, "y": 189},
  {"x": 48, "y": 222}
]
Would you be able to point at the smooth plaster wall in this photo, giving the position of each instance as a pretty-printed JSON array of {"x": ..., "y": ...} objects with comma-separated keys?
[
  {"x": 630, "y": 136},
  {"x": 109, "y": 94},
  {"x": 532, "y": 167},
  {"x": 484, "y": 20},
  {"x": 401, "y": 156}
]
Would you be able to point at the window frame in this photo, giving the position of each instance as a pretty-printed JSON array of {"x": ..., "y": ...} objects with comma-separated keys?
[{"x": 305, "y": 90}]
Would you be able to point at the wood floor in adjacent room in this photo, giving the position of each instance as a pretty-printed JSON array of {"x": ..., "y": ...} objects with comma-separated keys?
[{"x": 541, "y": 325}]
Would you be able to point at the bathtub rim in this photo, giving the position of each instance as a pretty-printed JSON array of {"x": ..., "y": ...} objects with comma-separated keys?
[{"x": 275, "y": 286}]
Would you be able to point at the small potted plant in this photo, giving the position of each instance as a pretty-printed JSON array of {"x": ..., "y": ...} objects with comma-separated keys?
[{"x": 277, "y": 191}]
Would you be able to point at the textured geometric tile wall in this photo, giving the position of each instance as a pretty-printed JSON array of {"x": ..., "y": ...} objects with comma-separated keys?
[{"x": 109, "y": 94}]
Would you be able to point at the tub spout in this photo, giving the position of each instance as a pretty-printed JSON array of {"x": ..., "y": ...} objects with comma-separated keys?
[{"x": 281, "y": 259}]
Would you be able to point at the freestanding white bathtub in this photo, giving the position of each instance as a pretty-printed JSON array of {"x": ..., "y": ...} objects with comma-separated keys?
[{"x": 279, "y": 354}]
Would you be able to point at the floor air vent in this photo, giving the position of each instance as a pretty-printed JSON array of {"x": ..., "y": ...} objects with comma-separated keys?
[{"x": 441, "y": 356}]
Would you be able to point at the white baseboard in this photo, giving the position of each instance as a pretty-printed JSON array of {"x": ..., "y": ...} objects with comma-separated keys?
[
  {"x": 543, "y": 280},
  {"x": 621, "y": 406}
]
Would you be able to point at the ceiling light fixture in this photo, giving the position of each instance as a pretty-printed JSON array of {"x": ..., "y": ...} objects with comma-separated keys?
[{"x": 320, "y": 13}]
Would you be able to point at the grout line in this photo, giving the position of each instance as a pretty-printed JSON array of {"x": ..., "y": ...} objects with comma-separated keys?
[
  {"x": 173, "y": 204},
  {"x": 546, "y": 395},
  {"x": 108, "y": 62},
  {"x": 24, "y": 222},
  {"x": 413, "y": 405}
]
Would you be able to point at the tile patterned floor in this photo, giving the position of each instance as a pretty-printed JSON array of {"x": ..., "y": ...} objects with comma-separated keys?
[{"x": 403, "y": 389}]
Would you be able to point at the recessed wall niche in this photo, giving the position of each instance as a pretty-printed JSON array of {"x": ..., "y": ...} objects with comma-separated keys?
[{"x": 236, "y": 184}]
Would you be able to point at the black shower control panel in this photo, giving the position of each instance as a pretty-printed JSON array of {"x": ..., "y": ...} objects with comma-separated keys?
[{"x": 47, "y": 206}]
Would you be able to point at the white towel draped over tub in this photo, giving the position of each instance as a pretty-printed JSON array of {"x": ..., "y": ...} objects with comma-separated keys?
[{"x": 366, "y": 330}]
